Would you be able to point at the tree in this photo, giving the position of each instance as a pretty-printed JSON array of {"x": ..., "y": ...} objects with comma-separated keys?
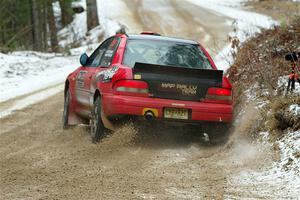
[
  {"x": 66, "y": 12},
  {"x": 15, "y": 26},
  {"x": 52, "y": 27},
  {"x": 29, "y": 24},
  {"x": 92, "y": 14},
  {"x": 36, "y": 30}
]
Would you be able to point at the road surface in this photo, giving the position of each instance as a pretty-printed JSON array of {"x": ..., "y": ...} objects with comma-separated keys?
[{"x": 38, "y": 160}]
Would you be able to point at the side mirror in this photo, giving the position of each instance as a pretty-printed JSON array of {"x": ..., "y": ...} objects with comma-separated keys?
[{"x": 84, "y": 59}]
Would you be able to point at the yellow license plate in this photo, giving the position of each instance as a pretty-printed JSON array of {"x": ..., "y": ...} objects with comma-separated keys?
[{"x": 176, "y": 113}]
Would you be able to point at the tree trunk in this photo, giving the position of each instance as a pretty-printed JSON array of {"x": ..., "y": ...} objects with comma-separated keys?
[
  {"x": 92, "y": 14},
  {"x": 44, "y": 25},
  {"x": 36, "y": 32},
  {"x": 52, "y": 27},
  {"x": 66, "y": 12}
]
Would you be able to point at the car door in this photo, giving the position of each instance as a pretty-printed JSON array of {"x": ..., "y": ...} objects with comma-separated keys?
[
  {"x": 86, "y": 73},
  {"x": 105, "y": 64}
]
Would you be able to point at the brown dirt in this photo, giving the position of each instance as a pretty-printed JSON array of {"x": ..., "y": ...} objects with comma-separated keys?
[
  {"x": 38, "y": 160},
  {"x": 181, "y": 19}
]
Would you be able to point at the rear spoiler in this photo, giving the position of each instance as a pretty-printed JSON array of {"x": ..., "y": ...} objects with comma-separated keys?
[{"x": 215, "y": 77}]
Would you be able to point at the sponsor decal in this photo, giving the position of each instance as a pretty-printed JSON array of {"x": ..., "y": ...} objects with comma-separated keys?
[
  {"x": 80, "y": 79},
  {"x": 183, "y": 88},
  {"x": 106, "y": 75},
  {"x": 109, "y": 53}
]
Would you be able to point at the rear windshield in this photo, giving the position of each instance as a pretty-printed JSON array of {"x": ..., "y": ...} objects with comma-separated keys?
[{"x": 165, "y": 53}]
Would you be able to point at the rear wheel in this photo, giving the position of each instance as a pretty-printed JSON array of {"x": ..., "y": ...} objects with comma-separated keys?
[
  {"x": 96, "y": 124},
  {"x": 218, "y": 133},
  {"x": 67, "y": 102}
]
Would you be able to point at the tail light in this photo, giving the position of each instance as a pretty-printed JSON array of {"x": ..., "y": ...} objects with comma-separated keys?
[
  {"x": 219, "y": 95},
  {"x": 131, "y": 87}
]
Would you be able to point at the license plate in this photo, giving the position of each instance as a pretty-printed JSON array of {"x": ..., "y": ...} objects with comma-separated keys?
[{"x": 176, "y": 113}]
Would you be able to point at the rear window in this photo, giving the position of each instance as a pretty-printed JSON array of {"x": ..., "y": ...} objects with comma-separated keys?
[{"x": 160, "y": 52}]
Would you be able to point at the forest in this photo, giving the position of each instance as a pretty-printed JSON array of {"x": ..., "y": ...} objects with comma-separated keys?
[{"x": 33, "y": 24}]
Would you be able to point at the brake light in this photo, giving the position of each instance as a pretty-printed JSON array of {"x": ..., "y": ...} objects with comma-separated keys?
[
  {"x": 219, "y": 95},
  {"x": 131, "y": 87}
]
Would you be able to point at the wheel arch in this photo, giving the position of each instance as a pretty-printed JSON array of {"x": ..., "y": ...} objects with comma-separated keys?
[
  {"x": 67, "y": 86},
  {"x": 73, "y": 118},
  {"x": 96, "y": 94}
]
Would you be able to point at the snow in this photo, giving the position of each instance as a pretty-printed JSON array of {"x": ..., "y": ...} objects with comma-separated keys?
[
  {"x": 29, "y": 100},
  {"x": 282, "y": 86},
  {"x": 25, "y": 72},
  {"x": 77, "y": 31},
  {"x": 57, "y": 13},
  {"x": 295, "y": 108},
  {"x": 247, "y": 24},
  {"x": 281, "y": 179},
  {"x": 119, "y": 11}
]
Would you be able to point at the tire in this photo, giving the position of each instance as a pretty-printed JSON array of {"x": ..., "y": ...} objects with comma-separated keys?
[
  {"x": 65, "y": 118},
  {"x": 219, "y": 133},
  {"x": 96, "y": 125}
]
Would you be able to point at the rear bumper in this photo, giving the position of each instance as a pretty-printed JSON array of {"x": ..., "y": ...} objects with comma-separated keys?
[{"x": 199, "y": 111}]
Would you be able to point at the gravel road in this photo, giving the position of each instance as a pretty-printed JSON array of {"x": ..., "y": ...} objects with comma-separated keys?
[{"x": 38, "y": 160}]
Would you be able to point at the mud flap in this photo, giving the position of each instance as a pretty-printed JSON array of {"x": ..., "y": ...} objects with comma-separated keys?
[{"x": 106, "y": 122}]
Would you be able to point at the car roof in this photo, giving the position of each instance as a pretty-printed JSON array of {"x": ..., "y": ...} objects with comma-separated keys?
[{"x": 161, "y": 38}]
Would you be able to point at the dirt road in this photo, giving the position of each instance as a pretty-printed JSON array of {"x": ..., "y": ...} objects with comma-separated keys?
[
  {"x": 38, "y": 160},
  {"x": 178, "y": 18}
]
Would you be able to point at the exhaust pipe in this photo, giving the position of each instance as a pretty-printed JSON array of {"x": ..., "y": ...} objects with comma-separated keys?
[{"x": 149, "y": 115}]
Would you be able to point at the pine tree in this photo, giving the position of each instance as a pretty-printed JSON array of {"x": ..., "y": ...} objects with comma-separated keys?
[
  {"x": 52, "y": 27},
  {"x": 66, "y": 12},
  {"x": 92, "y": 14},
  {"x": 30, "y": 24}
]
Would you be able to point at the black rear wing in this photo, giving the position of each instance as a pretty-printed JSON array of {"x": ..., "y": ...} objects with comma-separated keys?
[
  {"x": 180, "y": 83},
  {"x": 214, "y": 76}
]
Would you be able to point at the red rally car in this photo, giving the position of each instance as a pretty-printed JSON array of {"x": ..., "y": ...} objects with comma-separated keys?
[{"x": 147, "y": 75}]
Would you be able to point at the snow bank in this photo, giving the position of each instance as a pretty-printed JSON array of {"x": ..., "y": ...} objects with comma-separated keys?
[
  {"x": 29, "y": 100},
  {"x": 247, "y": 24},
  {"x": 281, "y": 180},
  {"x": 295, "y": 109},
  {"x": 282, "y": 84},
  {"x": 77, "y": 33},
  {"x": 25, "y": 72}
]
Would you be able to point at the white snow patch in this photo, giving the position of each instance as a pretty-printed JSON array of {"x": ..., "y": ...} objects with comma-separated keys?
[
  {"x": 281, "y": 179},
  {"x": 77, "y": 32},
  {"x": 264, "y": 136},
  {"x": 27, "y": 101},
  {"x": 282, "y": 84},
  {"x": 25, "y": 72},
  {"x": 253, "y": 96},
  {"x": 295, "y": 108}
]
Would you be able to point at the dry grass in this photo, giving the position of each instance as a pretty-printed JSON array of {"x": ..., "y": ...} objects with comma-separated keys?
[
  {"x": 260, "y": 61},
  {"x": 284, "y": 11}
]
